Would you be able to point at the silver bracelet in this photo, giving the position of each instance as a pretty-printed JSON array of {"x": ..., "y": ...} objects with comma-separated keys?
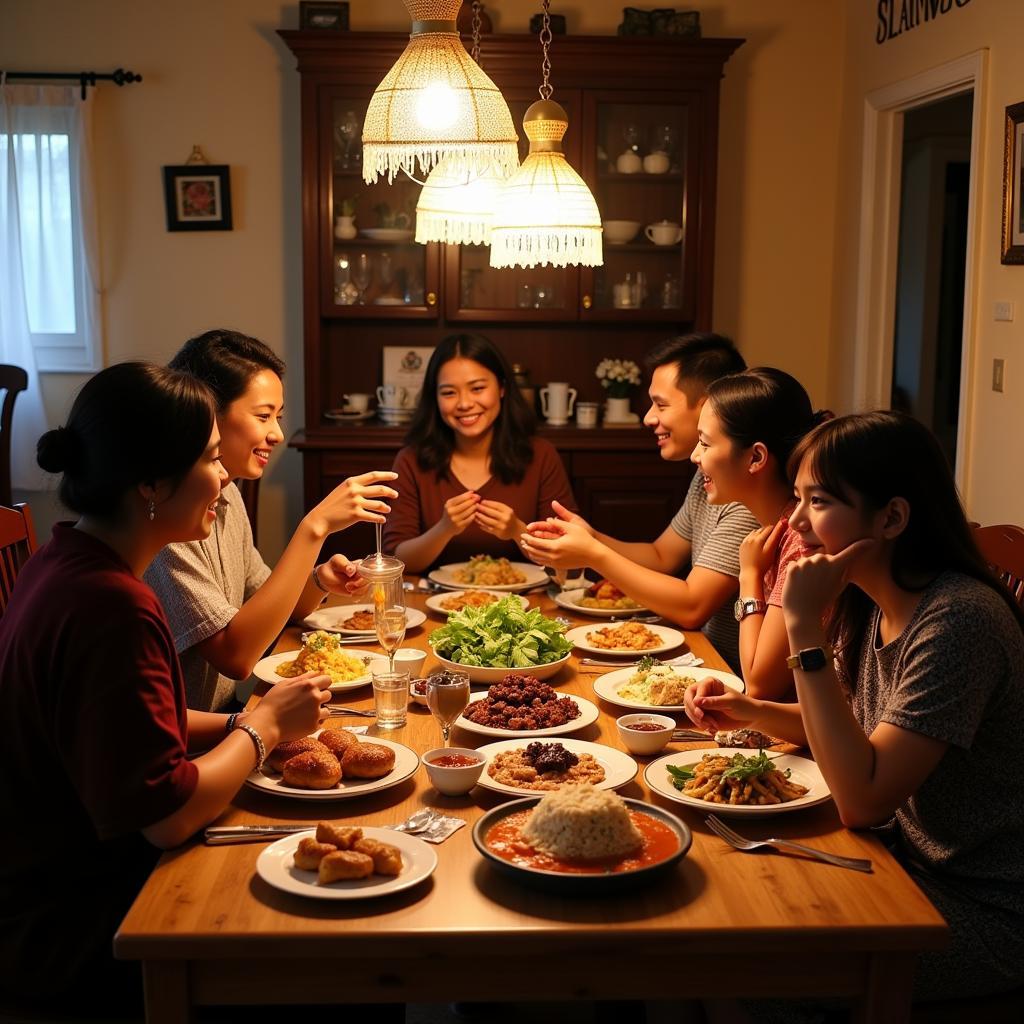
[
  {"x": 261, "y": 750},
  {"x": 316, "y": 580},
  {"x": 232, "y": 718}
]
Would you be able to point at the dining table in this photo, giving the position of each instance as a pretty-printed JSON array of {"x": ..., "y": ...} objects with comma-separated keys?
[{"x": 209, "y": 930}]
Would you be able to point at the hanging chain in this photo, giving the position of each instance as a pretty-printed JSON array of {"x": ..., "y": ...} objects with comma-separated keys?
[
  {"x": 545, "y": 41},
  {"x": 475, "y": 52}
]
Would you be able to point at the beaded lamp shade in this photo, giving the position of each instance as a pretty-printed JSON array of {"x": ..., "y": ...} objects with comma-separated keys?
[
  {"x": 457, "y": 209},
  {"x": 436, "y": 103},
  {"x": 545, "y": 213}
]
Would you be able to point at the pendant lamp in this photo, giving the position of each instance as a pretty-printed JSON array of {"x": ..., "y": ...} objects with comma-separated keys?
[
  {"x": 436, "y": 103},
  {"x": 453, "y": 207},
  {"x": 546, "y": 213}
]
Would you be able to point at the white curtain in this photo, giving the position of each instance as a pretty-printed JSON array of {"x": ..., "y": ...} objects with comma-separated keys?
[{"x": 49, "y": 282}]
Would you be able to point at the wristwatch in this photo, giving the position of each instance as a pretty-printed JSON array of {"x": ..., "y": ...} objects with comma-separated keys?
[
  {"x": 745, "y": 606},
  {"x": 810, "y": 659}
]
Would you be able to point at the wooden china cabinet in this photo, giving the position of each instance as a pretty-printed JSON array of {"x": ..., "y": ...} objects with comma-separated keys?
[{"x": 379, "y": 288}]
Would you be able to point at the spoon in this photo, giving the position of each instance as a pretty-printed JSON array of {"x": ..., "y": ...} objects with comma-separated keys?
[{"x": 416, "y": 822}]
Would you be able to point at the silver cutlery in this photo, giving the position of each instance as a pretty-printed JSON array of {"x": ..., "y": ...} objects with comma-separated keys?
[
  {"x": 219, "y": 835},
  {"x": 636, "y": 618},
  {"x": 683, "y": 660},
  {"x": 336, "y": 712},
  {"x": 421, "y": 821},
  {"x": 734, "y": 839},
  {"x": 690, "y": 736}
]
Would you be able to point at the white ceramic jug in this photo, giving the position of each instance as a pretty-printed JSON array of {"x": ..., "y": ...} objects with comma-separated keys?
[{"x": 556, "y": 401}]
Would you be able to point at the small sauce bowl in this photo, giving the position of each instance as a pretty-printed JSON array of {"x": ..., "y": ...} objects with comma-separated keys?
[
  {"x": 646, "y": 740},
  {"x": 453, "y": 779},
  {"x": 419, "y": 696}
]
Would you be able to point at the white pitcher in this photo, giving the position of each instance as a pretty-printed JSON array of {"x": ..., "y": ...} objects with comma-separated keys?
[
  {"x": 392, "y": 395},
  {"x": 556, "y": 401}
]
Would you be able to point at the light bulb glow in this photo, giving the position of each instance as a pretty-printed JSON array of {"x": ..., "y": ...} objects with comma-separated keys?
[{"x": 437, "y": 107}]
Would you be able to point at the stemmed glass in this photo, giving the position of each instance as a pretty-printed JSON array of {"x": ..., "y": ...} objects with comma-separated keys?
[
  {"x": 389, "y": 616},
  {"x": 362, "y": 272},
  {"x": 631, "y": 135},
  {"x": 347, "y": 129},
  {"x": 447, "y": 697}
]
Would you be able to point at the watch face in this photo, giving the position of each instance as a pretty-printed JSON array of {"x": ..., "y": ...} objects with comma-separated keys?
[{"x": 812, "y": 659}]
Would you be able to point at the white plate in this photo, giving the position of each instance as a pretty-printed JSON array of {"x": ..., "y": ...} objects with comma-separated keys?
[
  {"x": 388, "y": 234},
  {"x": 670, "y": 640},
  {"x": 388, "y": 300},
  {"x": 434, "y": 601},
  {"x": 485, "y": 674},
  {"x": 264, "y": 668},
  {"x": 445, "y": 576},
  {"x": 607, "y": 686},
  {"x": 588, "y": 715},
  {"x": 619, "y": 768},
  {"x": 331, "y": 619},
  {"x": 803, "y": 771},
  {"x": 569, "y": 599},
  {"x": 276, "y": 866},
  {"x": 406, "y": 762},
  {"x": 341, "y": 416}
]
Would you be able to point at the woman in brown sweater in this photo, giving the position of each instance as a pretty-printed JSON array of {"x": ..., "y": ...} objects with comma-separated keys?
[{"x": 472, "y": 473}]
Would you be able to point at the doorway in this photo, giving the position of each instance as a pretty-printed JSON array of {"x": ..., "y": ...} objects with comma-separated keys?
[{"x": 931, "y": 261}]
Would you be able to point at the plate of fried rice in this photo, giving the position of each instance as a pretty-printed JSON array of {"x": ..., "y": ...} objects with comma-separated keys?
[{"x": 321, "y": 653}]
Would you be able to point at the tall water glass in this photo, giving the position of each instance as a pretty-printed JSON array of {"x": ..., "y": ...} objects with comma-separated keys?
[
  {"x": 447, "y": 697},
  {"x": 389, "y": 616}
]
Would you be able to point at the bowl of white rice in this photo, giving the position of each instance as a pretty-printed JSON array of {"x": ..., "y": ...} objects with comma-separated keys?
[{"x": 581, "y": 839}]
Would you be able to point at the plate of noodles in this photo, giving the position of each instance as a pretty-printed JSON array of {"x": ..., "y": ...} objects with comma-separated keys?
[
  {"x": 486, "y": 573},
  {"x": 728, "y": 780},
  {"x": 321, "y": 653}
]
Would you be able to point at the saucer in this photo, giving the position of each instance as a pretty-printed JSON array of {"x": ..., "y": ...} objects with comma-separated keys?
[
  {"x": 346, "y": 416},
  {"x": 633, "y": 420}
]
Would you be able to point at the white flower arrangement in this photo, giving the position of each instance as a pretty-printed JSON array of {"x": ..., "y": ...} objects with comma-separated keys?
[{"x": 619, "y": 376}]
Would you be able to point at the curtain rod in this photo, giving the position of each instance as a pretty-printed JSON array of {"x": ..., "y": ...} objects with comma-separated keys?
[{"x": 85, "y": 78}]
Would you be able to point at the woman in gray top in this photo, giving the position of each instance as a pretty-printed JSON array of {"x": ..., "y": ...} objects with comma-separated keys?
[{"x": 911, "y": 693}]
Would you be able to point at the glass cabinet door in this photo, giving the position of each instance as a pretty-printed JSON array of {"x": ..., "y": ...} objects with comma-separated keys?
[
  {"x": 376, "y": 269},
  {"x": 476, "y": 291},
  {"x": 636, "y": 161}
]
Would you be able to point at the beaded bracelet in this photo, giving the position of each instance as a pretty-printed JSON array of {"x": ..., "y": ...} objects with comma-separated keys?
[
  {"x": 316, "y": 580},
  {"x": 232, "y": 718},
  {"x": 261, "y": 750}
]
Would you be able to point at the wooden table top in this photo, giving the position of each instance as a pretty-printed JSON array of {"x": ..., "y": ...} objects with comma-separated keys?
[{"x": 207, "y": 903}]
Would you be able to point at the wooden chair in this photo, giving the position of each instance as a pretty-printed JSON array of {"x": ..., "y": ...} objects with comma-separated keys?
[
  {"x": 1003, "y": 548},
  {"x": 12, "y": 380},
  {"x": 17, "y": 542}
]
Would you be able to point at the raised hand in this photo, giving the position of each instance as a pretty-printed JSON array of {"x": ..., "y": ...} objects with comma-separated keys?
[
  {"x": 560, "y": 544},
  {"x": 571, "y": 517},
  {"x": 356, "y": 499},
  {"x": 813, "y": 583},
  {"x": 340, "y": 576},
  {"x": 460, "y": 511},
  {"x": 757, "y": 551},
  {"x": 498, "y": 518}
]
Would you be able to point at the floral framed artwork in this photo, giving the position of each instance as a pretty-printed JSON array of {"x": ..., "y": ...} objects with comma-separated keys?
[
  {"x": 1013, "y": 186},
  {"x": 198, "y": 197}
]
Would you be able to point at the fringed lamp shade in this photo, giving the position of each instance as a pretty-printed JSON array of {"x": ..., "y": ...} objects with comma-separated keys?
[
  {"x": 436, "y": 102},
  {"x": 456, "y": 208},
  {"x": 546, "y": 213}
]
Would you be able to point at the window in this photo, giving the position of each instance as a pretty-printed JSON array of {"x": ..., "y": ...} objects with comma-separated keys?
[{"x": 42, "y": 148}]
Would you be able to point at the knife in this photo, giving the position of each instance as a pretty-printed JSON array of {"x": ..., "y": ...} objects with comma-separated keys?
[{"x": 219, "y": 834}]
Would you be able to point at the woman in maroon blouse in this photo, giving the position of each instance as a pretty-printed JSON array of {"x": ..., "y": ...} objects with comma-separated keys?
[
  {"x": 98, "y": 744},
  {"x": 473, "y": 474}
]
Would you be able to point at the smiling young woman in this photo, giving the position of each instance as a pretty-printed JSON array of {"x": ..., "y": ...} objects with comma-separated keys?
[
  {"x": 224, "y": 603},
  {"x": 473, "y": 473}
]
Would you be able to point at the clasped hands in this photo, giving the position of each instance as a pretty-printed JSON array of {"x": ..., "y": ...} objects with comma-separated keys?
[{"x": 494, "y": 517}]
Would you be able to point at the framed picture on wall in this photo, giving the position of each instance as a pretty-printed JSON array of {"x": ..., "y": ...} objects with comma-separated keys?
[
  {"x": 197, "y": 197},
  {"x": 1013, "y": 186},
  {"x": 321, "y": 16}
]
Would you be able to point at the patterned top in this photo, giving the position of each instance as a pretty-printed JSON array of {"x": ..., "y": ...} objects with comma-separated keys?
[
  {"x": 715, "y": 533},
  {"x": 956, "y": 673},
  {"x": 786, "y": 553},
  {"x": 201, "y": 585}
]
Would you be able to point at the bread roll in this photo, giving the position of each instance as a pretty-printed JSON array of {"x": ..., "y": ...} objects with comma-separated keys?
[
  {"x": 344, "y": 837},
  {"x": 367, "y": 761},
  {"x": 314, "y": 769},
  {"x": 309, "y": 853},
  {"x": 286, "y": 751},
  {"x": 387, "y": 860},
  {"x": 344, "y": 864},
  {"x": 337, "y": 741}
]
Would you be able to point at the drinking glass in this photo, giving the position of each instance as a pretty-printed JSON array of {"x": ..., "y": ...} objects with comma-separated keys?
[
  {"x": 346, "y": 131},
  {"x": 362, "y": 272},
  {"x": 389, "y": 616},
  {"x": 631, "y": 135},
  {"x": 447, "y": 697},
  {"x": 391, "y": 698}
]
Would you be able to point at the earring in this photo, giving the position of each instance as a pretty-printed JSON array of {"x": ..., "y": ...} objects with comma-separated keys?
[{"x": 152, "y": 510}]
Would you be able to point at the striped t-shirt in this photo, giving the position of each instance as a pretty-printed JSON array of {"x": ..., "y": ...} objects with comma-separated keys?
[{"x": 715, "y": 533}]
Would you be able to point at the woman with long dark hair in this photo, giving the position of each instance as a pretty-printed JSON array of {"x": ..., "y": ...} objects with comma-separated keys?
[
  {"x": 92, "y": 695},
  {"x": 748, "y": 428},
  {"x": 472, "y": 474},
  {"x": 224, "y": 603},
  {"x": 911, "y": 692}
]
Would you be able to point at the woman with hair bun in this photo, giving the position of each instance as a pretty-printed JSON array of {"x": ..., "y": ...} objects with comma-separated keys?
[
  {"x": 92, "y": 694},
  {"x": 748, "y": 427}
]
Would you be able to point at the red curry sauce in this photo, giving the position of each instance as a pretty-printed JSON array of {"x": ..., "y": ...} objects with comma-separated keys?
[{"x": 659, "y": 843}]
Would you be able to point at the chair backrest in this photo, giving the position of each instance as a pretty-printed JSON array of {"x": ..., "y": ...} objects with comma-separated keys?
[
  {"x": 17, "y": 542},
  {"x": 12, "y": 380},
  {"x": 1003, "y": 548}
]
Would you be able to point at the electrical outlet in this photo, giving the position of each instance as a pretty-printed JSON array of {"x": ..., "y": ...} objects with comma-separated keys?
[
  {"x": 997, "y": 374},
  {"x": 1003, "y": 311}
]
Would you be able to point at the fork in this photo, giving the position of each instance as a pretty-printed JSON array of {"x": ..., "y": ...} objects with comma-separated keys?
[
  {"x": 336, "y": 712},
  {"x": 734, "y": 839}
]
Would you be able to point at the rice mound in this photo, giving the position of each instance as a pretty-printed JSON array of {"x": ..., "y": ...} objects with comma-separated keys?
[{"x": 581, "y": 823}]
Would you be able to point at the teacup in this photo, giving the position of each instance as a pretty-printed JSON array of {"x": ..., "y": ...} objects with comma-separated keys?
[
  {"x": 356, "y": 403},
  {"x": 665, "y": 232}
]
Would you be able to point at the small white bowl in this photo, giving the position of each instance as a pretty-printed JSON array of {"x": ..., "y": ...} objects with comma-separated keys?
[
  {"x": 645, "y": 741},
  {"x": 619, "y": 232},
  {"x": 411, "y": 660},
  {"x": 420, "y": 698},
  {"x": 455, "y": 780}
]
